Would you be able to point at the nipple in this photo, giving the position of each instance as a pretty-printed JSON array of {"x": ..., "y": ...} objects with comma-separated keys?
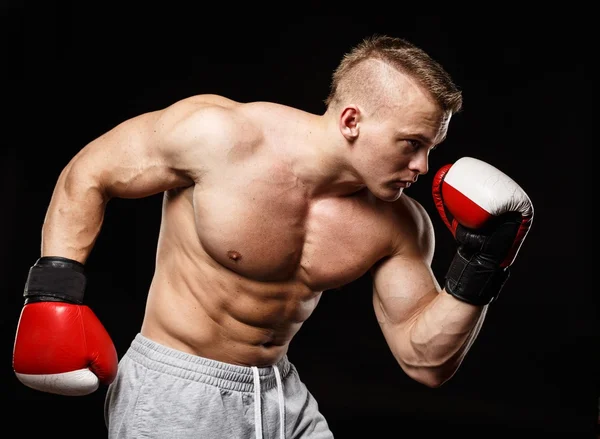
[{"x": 233, "y": 255}]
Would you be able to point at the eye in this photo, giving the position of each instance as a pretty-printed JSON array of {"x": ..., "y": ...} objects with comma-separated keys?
[{"x": 415, "y": 144}]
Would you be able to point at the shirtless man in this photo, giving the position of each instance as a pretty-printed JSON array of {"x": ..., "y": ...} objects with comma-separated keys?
[{"x": 265, "y": 207}]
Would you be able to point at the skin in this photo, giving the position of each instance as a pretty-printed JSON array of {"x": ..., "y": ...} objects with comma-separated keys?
[{"x": 265, "y": 207}]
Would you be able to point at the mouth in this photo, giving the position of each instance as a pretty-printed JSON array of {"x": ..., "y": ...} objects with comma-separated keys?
[{"x": 401, "y": 184}]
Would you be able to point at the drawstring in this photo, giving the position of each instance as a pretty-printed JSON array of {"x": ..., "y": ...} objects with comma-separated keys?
[
  {"x": 281, "y": 403},
  {"x": 257, "y": 409},
  {"x": 257, "y": 403}
]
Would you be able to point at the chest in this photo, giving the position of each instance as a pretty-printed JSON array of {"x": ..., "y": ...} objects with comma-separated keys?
[{"x": 268, "y": 230}]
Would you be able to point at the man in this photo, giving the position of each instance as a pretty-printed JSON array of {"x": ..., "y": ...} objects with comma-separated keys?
[{"x": 265, "y": 207}]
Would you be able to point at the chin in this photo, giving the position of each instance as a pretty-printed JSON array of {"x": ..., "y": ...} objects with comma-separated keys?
[{"x": 388, "y": 194}]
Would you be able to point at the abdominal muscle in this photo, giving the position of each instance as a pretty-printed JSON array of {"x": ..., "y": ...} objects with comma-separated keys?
[{"x": 198, "y": 306}]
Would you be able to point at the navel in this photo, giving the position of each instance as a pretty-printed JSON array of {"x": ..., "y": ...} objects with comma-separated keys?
[{"x": 233, "y": 255}]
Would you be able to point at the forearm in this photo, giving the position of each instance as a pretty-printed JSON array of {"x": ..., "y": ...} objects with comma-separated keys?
[
  {"x": 436, "y": 340},
  {"x": 74, "y": 216}
]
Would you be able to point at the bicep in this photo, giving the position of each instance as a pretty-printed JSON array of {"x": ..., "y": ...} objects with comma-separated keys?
[
  {"x": 404, "y": 283},
  {"x": 137, "y": 158},
  {"x": 402, "y": 287}
]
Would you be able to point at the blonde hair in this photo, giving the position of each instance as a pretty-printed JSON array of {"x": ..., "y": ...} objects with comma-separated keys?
[{"x": 357, "y": 80}]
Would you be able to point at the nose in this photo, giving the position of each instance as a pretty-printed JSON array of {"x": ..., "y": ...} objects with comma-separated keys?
[{"x": 419, "y": 165}]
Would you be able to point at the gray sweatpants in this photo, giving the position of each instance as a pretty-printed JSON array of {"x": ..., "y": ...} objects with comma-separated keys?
[{"x": 163, "y": 393}]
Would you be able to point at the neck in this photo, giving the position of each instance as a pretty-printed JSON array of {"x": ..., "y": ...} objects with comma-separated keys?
[{"x": 321, "y": 162}]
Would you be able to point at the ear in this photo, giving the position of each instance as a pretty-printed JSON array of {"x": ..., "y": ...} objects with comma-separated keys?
[{"x": 349, "y": 122}]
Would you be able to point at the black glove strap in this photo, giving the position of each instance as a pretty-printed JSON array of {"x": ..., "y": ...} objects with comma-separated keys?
[
  {"x": 474, "y": 280},
  {"x": 55, "y": 279}
]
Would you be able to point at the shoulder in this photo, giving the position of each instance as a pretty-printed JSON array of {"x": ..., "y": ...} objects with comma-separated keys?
[
  {"x": 413, "y": 228},
  {"x": 201, "y": 112},
  {"x": 213, "y": 121}
]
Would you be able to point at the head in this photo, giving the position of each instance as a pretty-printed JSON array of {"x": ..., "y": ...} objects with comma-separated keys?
[{"x": 392, "y": 103}]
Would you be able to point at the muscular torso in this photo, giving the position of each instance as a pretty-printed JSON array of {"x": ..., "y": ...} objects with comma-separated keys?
[{"x": 245, "y": 253}]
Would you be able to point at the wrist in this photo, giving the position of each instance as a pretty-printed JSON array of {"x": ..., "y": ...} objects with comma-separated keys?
[
  {"x": 474, "y": 279},
  {"x": 54, "y": 278}
]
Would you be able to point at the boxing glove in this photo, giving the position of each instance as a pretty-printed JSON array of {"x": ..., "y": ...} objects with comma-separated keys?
[
  {"x": 489, "y": 215},
  {"x": 61, "y": 347}
]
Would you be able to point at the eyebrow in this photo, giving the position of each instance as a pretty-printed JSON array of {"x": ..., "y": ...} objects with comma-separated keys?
[
  {"x": 429, "y": 141},
  {"x": 421, "y": 137}
]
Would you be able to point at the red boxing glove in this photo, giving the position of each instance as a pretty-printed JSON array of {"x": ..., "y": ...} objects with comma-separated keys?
[
  {"x": 489, "y": 215},
  {"x": 61, "y": 347}
]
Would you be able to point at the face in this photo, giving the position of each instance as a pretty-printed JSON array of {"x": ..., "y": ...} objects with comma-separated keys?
[{"x": 391, "y": 148}]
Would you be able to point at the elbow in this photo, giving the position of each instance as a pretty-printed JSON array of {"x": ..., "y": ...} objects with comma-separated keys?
[
  {"x": 430, "y": 379},
  {"x": 430, "y": 366},
  {"x": 430, "y": 376}
]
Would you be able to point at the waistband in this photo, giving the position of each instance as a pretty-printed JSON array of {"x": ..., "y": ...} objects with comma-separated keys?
[{"x": 180, "y": 364}]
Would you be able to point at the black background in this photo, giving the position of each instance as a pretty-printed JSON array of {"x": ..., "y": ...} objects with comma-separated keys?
[{"x": 71, "y": 73}]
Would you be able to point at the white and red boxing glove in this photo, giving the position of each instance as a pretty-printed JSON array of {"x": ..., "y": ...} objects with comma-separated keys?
[
  {"x": 489, "y": 215},
  {"x": 61, "y": 347}
]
